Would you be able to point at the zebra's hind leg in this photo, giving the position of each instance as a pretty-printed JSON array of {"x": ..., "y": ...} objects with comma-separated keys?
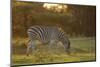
[
  {"x": 30, "y": 47},
  {"x": 28, "y": 50}
]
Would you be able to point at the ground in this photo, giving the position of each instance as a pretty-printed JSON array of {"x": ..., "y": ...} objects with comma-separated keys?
[{"x": 82, "y": 49}]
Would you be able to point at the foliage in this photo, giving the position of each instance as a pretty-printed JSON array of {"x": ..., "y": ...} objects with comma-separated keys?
[{"x": 77, "y": 21}]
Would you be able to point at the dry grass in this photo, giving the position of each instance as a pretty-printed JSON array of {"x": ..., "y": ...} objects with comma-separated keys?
[{"x": 81, "y": 50}]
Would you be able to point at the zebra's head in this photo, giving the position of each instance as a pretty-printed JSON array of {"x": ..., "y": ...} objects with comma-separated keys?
[{"x": 66, "y": 42}]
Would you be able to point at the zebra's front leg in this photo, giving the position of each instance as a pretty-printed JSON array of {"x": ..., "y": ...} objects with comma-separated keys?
[{"x": 53, "y": 44}]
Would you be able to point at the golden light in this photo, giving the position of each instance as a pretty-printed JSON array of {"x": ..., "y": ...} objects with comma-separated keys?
[{"x": 55, "y": 7}]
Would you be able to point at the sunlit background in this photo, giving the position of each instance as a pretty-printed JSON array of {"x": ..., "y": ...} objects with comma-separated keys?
[{"x": 55, "y": 7}]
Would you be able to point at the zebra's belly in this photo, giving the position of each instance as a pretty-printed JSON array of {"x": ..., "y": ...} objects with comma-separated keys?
[
  {"x": 41, "y": 42},
  {"x": 46, "y": 41}
]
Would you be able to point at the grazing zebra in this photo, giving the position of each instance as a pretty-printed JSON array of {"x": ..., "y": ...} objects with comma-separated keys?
[{"x": 45, "y": 34}]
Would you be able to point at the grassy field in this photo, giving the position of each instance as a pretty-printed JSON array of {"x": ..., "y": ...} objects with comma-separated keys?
[{"x": 82, "y": 49}]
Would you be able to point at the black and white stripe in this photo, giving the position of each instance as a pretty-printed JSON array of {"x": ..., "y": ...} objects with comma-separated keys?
[{"x": 47, "y": 34}]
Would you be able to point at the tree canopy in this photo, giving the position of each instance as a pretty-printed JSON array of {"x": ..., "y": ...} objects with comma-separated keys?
[{"x": 78, "y": 20}]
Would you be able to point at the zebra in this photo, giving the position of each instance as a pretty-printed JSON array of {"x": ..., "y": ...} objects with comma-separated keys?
[{"x": 47, "y": 34}]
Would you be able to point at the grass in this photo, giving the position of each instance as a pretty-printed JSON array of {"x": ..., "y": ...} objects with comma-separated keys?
[{"x": 82, "y": 49}]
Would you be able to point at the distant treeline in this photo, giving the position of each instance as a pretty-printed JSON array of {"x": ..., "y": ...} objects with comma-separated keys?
[{"x": 77, "y": 21}]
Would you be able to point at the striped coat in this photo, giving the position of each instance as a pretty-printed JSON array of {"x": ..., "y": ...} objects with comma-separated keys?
[{"x": 48, "y": 35}]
